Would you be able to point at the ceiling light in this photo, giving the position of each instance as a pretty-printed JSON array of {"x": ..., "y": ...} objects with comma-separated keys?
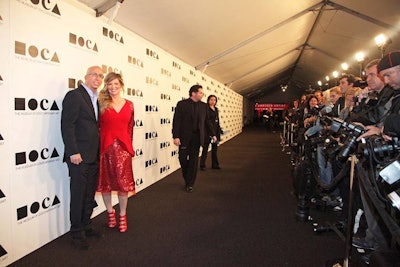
[
  {"x": 345, "y": 66},
  {"x": 381, "y": 40},
  {"x": 360, "y": 56},
  {"x": 335, "y": 74}
]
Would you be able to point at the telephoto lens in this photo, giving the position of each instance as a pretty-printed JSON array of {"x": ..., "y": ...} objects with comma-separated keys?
[{"x": 320, "y": 228}]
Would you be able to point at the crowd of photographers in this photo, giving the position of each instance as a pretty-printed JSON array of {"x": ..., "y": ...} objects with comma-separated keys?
[{"x": 344, "y": 149}]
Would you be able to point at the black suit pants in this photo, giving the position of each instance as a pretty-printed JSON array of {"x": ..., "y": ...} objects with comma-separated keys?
[
  {"x": 84, "y": 179},
  {"x": 188, "y": 158},
  {"x": 214, "y": 157}
]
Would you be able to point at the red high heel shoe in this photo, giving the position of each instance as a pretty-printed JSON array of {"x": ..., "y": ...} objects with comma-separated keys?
[
  {"x": 123, "y": 224},
  {"x": 112, "y": 221}
]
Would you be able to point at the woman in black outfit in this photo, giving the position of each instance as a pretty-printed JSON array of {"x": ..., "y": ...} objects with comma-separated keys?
[{"x": 214, "y": 117}]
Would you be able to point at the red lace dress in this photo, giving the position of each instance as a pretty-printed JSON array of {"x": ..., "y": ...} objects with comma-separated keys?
[{"x": 116, "y": 151}]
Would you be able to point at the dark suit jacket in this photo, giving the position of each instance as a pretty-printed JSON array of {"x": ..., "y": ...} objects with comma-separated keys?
[
  {"x": 182, "y": 127},
  {"x": 214, "y": 122},
  {"x": 79, "y": 128}
]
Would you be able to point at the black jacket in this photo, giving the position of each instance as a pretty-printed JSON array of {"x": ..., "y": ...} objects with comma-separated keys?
[
  {"x": 79, "y": 128},
  {"x": 182, "y": 125}
]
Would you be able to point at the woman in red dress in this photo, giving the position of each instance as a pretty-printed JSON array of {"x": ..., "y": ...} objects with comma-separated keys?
[{"x": 116, "y": 151}]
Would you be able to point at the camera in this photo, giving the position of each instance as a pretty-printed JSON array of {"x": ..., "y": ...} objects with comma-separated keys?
[
  {"x": 331, "y": 148},
  {"x": 352, "y": 131},
  {"x": 360, "y": 83},
  {"x": 379, "y": 149}
]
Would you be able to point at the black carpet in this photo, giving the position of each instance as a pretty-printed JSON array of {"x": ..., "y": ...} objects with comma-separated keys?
[{"x": 241, "y": 215}]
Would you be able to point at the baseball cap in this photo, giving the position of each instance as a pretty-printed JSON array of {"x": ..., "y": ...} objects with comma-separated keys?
[{"x": 388, "y": 61}]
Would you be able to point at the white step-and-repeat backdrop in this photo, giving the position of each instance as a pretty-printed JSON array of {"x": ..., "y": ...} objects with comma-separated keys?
[{"x": 46, "y": 47}]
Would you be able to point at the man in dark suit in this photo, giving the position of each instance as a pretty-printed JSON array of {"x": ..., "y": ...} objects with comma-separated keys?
[
  {"x": 188, "y": 130},
  {"x": 80, "y": 133}
]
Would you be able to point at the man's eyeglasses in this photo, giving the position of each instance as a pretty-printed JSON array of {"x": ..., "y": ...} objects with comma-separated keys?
[{"x": 96, "y": 75}]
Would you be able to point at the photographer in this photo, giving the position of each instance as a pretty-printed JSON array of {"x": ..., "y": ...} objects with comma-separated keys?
[
  {"x": 381, "y": 119},
  {"x": 372, "y": 108},
  {"x": 346, "y": 82},
  {"x": 310, "y": 111},
  {"x": 391, "y": 126},
  {"x": 389, "y": 69},
  {"x": 334, "y": 94},
  {"x": 316, "y": 133},
  {"x": 349, "y": 102}
]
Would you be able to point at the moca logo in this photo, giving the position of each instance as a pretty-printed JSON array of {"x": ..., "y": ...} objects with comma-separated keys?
[
  {"x": 165, "y": 97},
  {"x": 151, "y": 162},
  {"x": 74, "y": 83},
  {"x": 47, "y": 5},
  {"x": 34, "y": 104},
  {"x": 44, "y": 154},
  {"x": 37, "y": 206},
  {"x": 176, "y": 87},
  {"x": 134, "y": 92},
  {"x": 151, "y": 108},
  {"x": 82, "y": 42},
  {"x": 165, "y": 72},
  {"x": 164, "y": 145},
  {"x": 164, "y": 121},
  {"x": 139, "y": 181},
  {"x": 138, "y": 152},
  {"x": 152, "y": 53},
  {"x": 135, "y": 61},
  {"x": 151, "y": 81},
  {"x": 35, "y": 52},
  {"x": 176, "y": 65},
  {"x": 138, "y": 124},
  {"x": 108, "y": 69},
  {"x": 113, "y": 35},
  {"x": 174, "y": 153},
  {"x": 3, "y": 252},
  {"x": 2, "y": 196},
  {"x": 185, "y": 80},
  {"x": 164, "y": 169},
  {"x": 151, "y": 135}
]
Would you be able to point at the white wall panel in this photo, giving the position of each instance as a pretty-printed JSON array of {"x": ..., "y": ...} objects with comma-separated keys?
[{"x": 48, "y": 52}]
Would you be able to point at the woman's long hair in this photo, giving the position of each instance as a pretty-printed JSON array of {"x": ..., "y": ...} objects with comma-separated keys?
[{"x": 105, "y": 100}]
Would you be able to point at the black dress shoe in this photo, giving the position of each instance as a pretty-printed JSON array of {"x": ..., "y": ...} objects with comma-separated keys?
[
  {"x": 362, "y": 243},
  {"x": 216, "y": 168},
  {"x": 80, "y": 243},
  {"x": 93, "y": 233},
  {"x": 189, "y": 189},
  {"x": 202, "y": 168}
]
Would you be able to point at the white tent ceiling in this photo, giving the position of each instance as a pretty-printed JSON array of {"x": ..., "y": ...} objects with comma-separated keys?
[{"x": 255, "y": 46}]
